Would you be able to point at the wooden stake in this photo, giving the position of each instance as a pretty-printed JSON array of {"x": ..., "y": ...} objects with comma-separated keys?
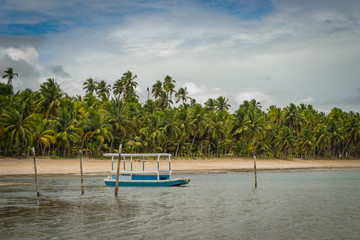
[
  {"x": 36, "y": 178},
  {"x": 255, "y": 171},
  {"x": 81, "y": 173},
  {"x": 117, "y": 171}
]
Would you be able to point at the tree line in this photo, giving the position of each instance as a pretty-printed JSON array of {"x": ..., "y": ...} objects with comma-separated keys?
[{"x": 169, "y": 121}]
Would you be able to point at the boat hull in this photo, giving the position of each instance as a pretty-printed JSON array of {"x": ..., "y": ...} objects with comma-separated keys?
[{"x": 148, "y": 183}]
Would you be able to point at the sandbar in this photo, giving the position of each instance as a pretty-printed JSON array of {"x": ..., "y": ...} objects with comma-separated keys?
[{"x": 91, "y": 166}]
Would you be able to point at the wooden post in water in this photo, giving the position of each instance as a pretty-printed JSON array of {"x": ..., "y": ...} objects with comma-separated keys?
[
  {"x": 81, "y": 173},
  {"x": 36, "y": 178},
  {"x": 255, "y": 171},
  {"x": 117, "y": 171}
]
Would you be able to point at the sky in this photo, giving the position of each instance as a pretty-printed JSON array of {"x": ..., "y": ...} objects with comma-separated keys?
[{"x": 275, "y": 51}]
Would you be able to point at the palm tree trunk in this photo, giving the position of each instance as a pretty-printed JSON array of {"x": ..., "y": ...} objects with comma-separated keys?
[
  {"x": 192, "y": 143},
  {"x": 99, "y": 150},
  {"x": 112, "y": 144},
  {"x": 17, "y": 146},
  {"x": 82, "y": 143},
  {"x": 177, "y": 148},
  {"x": 165, "y": 147},
  {"x": 9, "y": 150}
]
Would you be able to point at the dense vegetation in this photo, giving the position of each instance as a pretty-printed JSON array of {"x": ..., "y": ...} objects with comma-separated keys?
[{"x": 169, "y": 121}]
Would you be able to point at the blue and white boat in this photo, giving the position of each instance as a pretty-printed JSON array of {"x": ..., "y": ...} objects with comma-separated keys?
[{"x": 142, "y": 178}]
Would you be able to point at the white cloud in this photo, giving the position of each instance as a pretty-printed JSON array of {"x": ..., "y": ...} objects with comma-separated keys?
[
  {"x": 201, "y": 93},
  {"x": 250, "y": 93},
  {"x": 307, "y": 100},
  {"x": 25, "y": 61}
]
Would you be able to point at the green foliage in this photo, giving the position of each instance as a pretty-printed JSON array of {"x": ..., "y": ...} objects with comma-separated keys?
[{"x": 58, "y": 125}]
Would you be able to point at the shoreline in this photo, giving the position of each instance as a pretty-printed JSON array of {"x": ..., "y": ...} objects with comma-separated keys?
[{"x": 91, "y": 166}]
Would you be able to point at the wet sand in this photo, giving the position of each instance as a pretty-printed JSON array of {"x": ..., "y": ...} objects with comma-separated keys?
[{"x": 25, "y": 166}]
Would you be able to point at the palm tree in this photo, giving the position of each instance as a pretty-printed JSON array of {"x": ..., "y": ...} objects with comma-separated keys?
[
  {"x": 169, "y": 86},
  {"x": 307, "y": 141},
  {"x": 352, "y": 128},
  {"x": 323, "y": 137},
  {"x": 257, "y": 128},
  {"x": 157, "y": 90},
  {"x": 171, "y": 126},
  {"x": 285, "y": 141},
  {"x": 182, "y": 95},
  {"x": 90, "y": 85},
  {"x": 118, "y": 117},
  {"x": 251, "y": 105},
  {"x": 185, "y": 125},
  {"x": 43, "y": 135},
  {"x": 18, "y": 127},
  {"x": 210, "y": 104},
  {"x": 126, "y": 85},
  {"x": 222, "y": 103},
  {"x": 103, "y": 90},
  {"x": 67, "y": 133},
  {"x": 154, "y": 131},
  {"x": 9, "y": 74},
  {"x": 239, "y": 126},
  {"x": 292, "y": 118},
  {"x": 275, "y": 115},
  {"x": 99, "y": 128},
  {"x": 130, "y": 85},
  {"x": 50, "y": 100},
  {"x": 197, "y": 115}
]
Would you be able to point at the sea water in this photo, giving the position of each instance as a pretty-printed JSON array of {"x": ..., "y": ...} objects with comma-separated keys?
[{"x": 285, "y": 205}]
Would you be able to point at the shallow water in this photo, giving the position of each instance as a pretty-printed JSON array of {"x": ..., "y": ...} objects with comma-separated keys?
[{"x": 286, "y": 205}]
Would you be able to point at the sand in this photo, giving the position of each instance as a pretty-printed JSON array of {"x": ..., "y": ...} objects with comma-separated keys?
[{"x": 15, "y": 166}]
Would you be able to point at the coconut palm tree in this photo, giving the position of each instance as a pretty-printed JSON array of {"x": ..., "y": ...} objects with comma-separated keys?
[
  {"x": 285, "y": 141},
  {"x": 99, "y": 127},
  {"x": 239, "y": 126},
  {"x": 154, "y": 131},
  {"x": 210, "y": 104},
  {"x": 275, "y": 115},
  {"x": 51, "y": 96},
  {"x": 103, "y": 90},
  {"x": 197, "y": 116},
  {"x": 307, "y": 141},
  {"x": 67, "y": 133},
  {"x": 126, "y": 86},
  {"x": 185, "y": 124},
  {"x": 352, "y": 128},
  {"x": 119, "y": 119},
  {"x": 323, "y": 138},
  {"x": 222, "y": 103},
  {"x": 172, "y": 127},
  {"x": 182, "y": 95},
  {"x": 257, "y": 127},
  {"x": 292, "y": 118},
  {"x": 169, "y": 88},
  {"x": 90, "y": 85},
  {"x": 18, "y": 128},
  {"x": 9, "y": 74},
  {"x": 42, "y": 135}
]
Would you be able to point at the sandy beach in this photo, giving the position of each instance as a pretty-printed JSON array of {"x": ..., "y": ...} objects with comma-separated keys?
[{"x": 25, "y": 166}]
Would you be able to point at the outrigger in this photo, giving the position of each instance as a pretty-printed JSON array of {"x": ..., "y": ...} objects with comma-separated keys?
[{"x": 142, "y": 178}]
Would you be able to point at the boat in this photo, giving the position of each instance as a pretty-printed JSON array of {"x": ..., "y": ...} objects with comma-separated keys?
[{"x": 142, "y": 178}]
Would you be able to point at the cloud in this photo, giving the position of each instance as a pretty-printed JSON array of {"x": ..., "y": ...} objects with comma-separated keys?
[
  {"x": 25, "y": 61},
  {"x": 260, "y": 96},
  {"x": 307, "y": 100},
  {"x": 202, "y": 93}
]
